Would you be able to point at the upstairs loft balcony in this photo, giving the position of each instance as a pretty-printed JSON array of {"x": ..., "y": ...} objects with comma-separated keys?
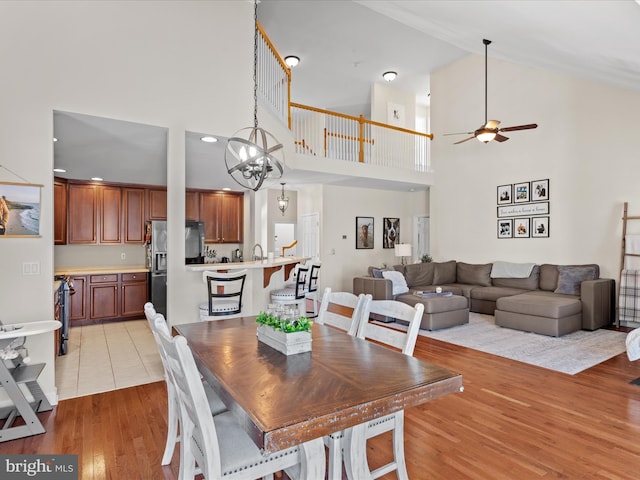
[{"x": 337, "y": 144}]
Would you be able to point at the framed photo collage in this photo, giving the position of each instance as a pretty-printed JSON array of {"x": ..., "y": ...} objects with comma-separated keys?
[{"x": 523, "y": 209}]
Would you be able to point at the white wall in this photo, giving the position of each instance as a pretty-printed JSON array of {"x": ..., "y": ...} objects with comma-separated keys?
[
  {"x": 341, "y": 206},
  {"x": 586, "y": 145},
  {"x": 180, "y": 65}
]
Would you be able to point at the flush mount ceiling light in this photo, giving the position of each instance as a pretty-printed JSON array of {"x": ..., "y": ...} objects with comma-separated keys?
[
  {"x": 283, "y": 202},
  {"x": 59, "y": 170},
  {"x": 291, "y": 61},
  {"x": 389, "y": 76},
  {"x": 209, "y": 139},
  {"x": 252, "y": 153}
]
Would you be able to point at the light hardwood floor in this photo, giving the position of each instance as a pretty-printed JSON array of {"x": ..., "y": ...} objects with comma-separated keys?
[{"x": 513, "y": 421}]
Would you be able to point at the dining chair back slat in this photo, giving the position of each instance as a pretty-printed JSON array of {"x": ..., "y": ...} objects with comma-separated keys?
[
  {"x": 404, "y": 341},
  {"x": 341, "y": 302}
]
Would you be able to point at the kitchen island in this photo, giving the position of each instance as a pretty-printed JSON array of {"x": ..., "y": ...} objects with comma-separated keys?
[{"x": 262, "y": 277}]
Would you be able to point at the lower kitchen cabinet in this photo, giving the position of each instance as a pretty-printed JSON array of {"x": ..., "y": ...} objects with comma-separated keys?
[{"x": 109, "y": 296}]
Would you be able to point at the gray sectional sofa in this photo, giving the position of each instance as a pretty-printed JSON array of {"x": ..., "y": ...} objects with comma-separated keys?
[{"x": 551, "y": 300}]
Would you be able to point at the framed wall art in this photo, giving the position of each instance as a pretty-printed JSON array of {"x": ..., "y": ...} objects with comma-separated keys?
[
  {"x": 504, "y": 194},
  {"x": 505, "y": 228},
  {"x": 540, "y": 190},
  {"x": 364, "y": 232},
  {"x": 521, "y": 192},
  {"x": 19, "y": 210},
  {"x": 390, "y": 232},
  {"x": 540, "y": 227},
  {"x": 521, "y": 227}
]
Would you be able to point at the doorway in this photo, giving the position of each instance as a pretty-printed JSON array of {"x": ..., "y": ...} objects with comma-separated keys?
[{"x": 284, "y": 234}]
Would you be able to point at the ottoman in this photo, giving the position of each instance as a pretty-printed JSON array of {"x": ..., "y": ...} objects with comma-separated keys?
[
  {"x": 439, "y": 312},
  {"x": 553, "y": 315}
]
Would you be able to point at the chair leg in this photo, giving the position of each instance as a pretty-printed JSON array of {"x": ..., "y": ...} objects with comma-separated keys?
[
  {"x": 172, "y": 425},
  {"x": 334, "y": 458},
  {"x": 398, "y": 446}
]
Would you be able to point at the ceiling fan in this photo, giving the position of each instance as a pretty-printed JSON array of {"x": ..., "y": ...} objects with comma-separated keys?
[{"x": 489, "y": 130}]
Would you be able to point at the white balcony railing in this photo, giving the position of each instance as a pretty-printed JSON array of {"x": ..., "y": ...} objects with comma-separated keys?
[{"x": 333, "y": 135}]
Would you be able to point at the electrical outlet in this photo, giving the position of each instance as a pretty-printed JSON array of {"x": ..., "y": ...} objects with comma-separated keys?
[{"x": 123, "y": 256}]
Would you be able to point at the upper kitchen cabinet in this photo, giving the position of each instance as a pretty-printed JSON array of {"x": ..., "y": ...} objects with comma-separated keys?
[
  {"x": 192, "y": 209},
  {"x": 157, "y": 204},
  {"x": 83, "y": 213},
  {"x": 110, "y": 211},
  {"x": 59, "y": 212},
  {"x": 134, "y": 207},
  {"x": 222, "y": 214}
]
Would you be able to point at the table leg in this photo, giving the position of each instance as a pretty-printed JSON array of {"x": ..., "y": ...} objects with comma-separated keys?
[
  {"x": 313, "y": 461},
  {"x": 355, "y": 453}
]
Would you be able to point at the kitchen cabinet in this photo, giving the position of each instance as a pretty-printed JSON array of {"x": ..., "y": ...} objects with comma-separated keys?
[
  {"x": 78, "y": 309},
  {"x": 192, "y": 210},
  {"x": 59, "y": 213},
  {"x": 118, "y": 295},
  {"x": 83, "y": 208},
  {"x": 222, "y": 214},
  {"x": 133, "y": 208},
  {"x": 134, "y": 293},
  {"x": 110, "y": 208},
  {"x": 157, "y": 204}
]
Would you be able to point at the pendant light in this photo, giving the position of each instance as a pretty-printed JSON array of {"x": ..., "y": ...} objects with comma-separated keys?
[
  {"x": 252, "y": 153},
  {"x": 283, "y": 202}
]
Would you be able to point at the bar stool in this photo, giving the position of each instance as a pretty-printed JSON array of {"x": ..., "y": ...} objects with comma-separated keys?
[
  {"x": 224, "y": 298},
  {"x": 295, "y": 294}
]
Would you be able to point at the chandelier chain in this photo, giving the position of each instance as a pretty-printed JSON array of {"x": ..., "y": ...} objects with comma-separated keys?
[{"x": 255, "y": 63}]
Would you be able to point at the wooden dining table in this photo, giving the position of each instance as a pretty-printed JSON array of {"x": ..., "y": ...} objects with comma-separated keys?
[{"x": 283, "y": 401}]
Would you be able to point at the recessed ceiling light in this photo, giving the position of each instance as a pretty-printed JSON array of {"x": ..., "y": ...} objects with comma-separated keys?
[
  {"x": 226, "y": 189},
  {"x": 96, "y": 179},
  {"x": 59, "y": 170},
  {"x": 209, "y": 139},
  {"x": 55, "y": 139},
  {"x": 389, "y": 76},
  {"x": 291, "y": 61}
]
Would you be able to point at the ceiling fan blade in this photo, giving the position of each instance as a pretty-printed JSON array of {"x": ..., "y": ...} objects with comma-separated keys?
[
  {"x": 500, "y": 138},
  {"x": 519, "y": 127},
  {"x": 459, "y": 133},
  {"x": 462, "y": 141},
  {"x": 491, "y": 124}
]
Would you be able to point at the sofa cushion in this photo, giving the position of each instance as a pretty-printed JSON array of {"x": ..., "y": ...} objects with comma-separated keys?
[
  {"x": 398, "y": 281},
  {"x": 570, "y": 277},
  {"x": 555, "y": 306},
  {"x": 444, "y": 272},
  {"x": 419, "y": 274},
  {"x": 530, "y": 283},
  {"x": 474, "y": 274},
  {"x": 549, "y": 275},
  {"x": 494, "y": 293}
]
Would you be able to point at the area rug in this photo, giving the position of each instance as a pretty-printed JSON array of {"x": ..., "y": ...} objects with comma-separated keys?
[{"x": 569, "y": 354}]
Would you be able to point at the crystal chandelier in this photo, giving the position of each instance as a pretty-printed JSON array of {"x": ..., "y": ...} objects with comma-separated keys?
[{"x": 252, "y": 153}]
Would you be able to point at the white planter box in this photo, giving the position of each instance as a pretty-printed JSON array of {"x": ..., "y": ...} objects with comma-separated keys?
[{"x": 287, "y": 343}]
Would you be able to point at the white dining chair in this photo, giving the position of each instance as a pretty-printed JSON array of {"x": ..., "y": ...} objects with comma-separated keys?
[
  {"x": 157, "y": 322},
  {"x": 218, "y": 444},
  {"x": 348, "y": 323},
  {"x": 404, "y": 341},
  {"x": 224, "y": 294},
  {"x": 338, "y": 317}
]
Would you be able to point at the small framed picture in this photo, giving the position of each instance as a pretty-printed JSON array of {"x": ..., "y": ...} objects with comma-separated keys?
[
  {"x": 521, "y": 227},
  {"x": 505, "y": 228},
  {"x": 364, "y": 232},
  {"x": 390, "y": 232},
  {"x": 540, "y": 190},
  {"x": 540, "y": 227},
  {"x": 504, "y": 194},
  {"x": 521, "y": 192}
]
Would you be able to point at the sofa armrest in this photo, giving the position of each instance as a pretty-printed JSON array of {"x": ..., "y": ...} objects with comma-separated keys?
[
  {"x": 598, "y": 303},
  {"x": 379, "y": 288}
]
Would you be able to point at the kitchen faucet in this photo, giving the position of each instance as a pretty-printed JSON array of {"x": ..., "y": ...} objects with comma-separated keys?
[{"x": 257, "y": 245}]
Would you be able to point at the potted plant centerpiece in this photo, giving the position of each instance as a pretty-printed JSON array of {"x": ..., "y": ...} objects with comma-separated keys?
[{"x": 287, "y": 334}]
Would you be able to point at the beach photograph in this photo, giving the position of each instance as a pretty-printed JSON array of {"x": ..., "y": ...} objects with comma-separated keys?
[{"x": 22, "y": 202}]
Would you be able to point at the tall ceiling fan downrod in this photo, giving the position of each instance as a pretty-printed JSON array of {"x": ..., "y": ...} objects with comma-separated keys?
[{"x": 486, "y": 44}]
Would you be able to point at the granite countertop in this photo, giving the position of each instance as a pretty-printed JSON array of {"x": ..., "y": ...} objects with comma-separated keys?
[
  {"x": 98, "y": 270},
  {"x": 276, "y": 262}
]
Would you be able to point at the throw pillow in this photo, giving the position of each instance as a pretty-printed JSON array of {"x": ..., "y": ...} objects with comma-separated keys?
[
  {"x": 474, "y": 274},
  {"x": 377, "y": 272},
  {"x": 570, "y": 278},
  {"x": 444, "y": 272},
  {"x": 398, "y": 281}
]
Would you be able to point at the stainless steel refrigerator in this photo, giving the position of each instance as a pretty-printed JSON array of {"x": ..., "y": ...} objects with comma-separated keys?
[{"x": 159, "y": 265}]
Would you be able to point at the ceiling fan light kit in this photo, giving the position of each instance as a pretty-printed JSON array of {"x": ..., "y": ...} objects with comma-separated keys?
[
  {"x": 389, "y": 76},
  {"x": 489, "y": 130}
]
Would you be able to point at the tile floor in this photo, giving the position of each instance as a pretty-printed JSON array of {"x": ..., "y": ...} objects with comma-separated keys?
[{"x": 108, "y": 356}]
